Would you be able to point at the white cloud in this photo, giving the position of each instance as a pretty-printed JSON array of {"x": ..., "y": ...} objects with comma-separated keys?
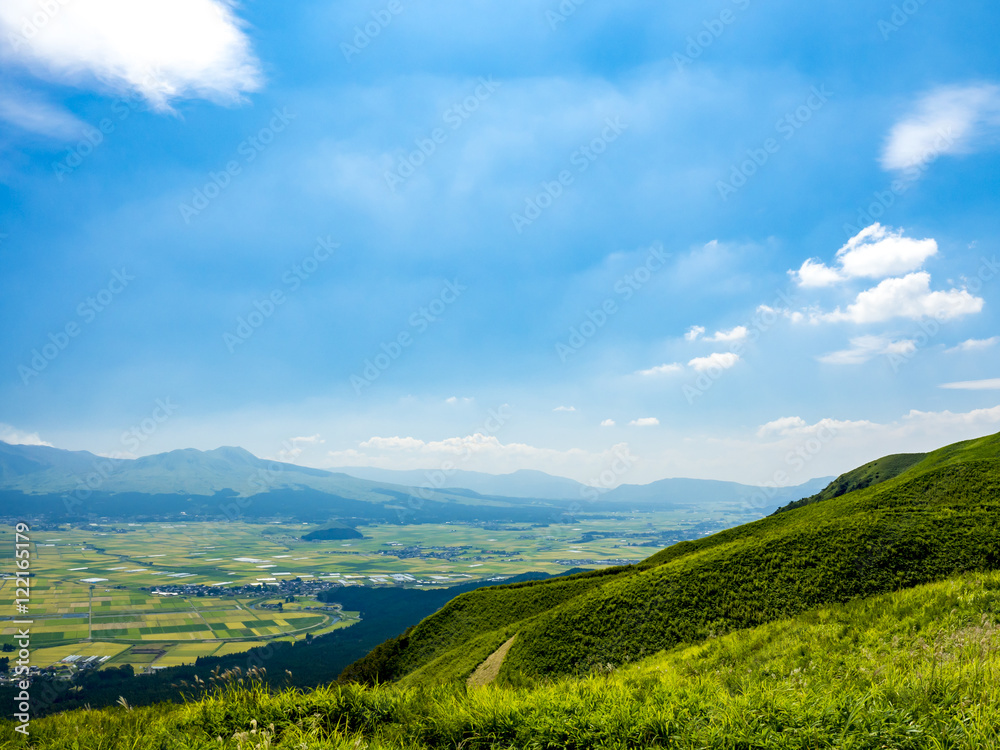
[
  {"x": 949, "y": 120},
  {"x": 864, "y": 348},
  {"x": 736, "y": 334},
  {"x": 694, "y": 332},
  {"x": 719, "y": 360},
  {"x": 661, "y": 370},
  {"x": 798, "y": 427},
  {"x": 454, "y": 400},
  {"x": 793, "y": 315},
  {"x": 974, "y": 345},
  {"x": 162, "y": 49},
  {"x": 608, "y": 423},
  {"x": 565, "y": 408},
  {"x": 906, "y": 297},
  {"x": 644, "y": 422},
  {"x": 815, "y": 273},
  {"x": 874, "y": 253},
  {"x": 14, "y": 436},
  {"x": 476, "y": 452},
  {"x": 974, "y": 385}
]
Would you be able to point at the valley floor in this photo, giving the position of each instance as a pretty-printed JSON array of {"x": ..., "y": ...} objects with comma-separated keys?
[{"x": 914, "y": 669}]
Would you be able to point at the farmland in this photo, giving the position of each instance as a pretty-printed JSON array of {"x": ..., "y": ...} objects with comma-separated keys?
[{"x": 162, "y": 594}]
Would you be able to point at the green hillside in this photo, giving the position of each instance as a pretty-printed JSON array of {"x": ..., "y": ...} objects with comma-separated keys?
[
  {"x": 913, "y": 669},
  {"x": 939, "y": 517}
]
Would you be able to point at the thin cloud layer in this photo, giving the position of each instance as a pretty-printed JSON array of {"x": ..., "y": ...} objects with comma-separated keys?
[{"x": 949, "y": 120}]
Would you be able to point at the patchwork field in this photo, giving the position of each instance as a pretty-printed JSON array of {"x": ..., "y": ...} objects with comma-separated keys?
[{"x": 97, "y": 591}]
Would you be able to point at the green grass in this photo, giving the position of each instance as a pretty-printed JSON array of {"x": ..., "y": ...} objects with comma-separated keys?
[
  {"x": 913, "y": 669},
  {"x": 939, "y": 518}
]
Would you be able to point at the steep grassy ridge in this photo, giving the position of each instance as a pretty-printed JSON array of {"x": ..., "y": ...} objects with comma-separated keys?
[
  {"x": 938, "y": 518},
  {"x": 910, "y": 670}
]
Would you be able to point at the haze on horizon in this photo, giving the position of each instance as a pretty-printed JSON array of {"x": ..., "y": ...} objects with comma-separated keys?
[{"x": 713, "y": 239}]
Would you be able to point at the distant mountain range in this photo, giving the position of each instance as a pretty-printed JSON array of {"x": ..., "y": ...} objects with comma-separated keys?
[{"x": 198, "y": 483}]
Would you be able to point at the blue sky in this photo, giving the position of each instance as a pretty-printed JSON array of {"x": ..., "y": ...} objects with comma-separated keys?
[{"x": 728, "y": 240}]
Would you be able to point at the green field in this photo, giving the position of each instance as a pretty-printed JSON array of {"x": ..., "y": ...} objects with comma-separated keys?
[{"x": 93, "y": 586}]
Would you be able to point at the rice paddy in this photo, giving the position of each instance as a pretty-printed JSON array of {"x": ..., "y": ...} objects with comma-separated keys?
[{"x": 112, "y": 594}]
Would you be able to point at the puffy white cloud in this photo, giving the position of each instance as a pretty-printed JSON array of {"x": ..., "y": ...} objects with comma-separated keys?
[
  {"x": 162, "y": 49},
  {"x": 906, "y": 297},
  {"x": 974, "y": 385},
  {"x": 565, "y": 408},
  {"x": 661, "y": 370},
  {"x": 608, "y": 423},
  {"x": 644, "y": 422},
  {"x": 736, "y": 334},
  {"x": 716, "y": 361},
  {"x": 694, "y": 332},
  {"x": 9, "y": 434},
  {"x": 815, "y": 273},
  {"x": 877, "y": 251},
  {"x": 949, "y": 120},
  {"x": 864, "y": 348},
  {"x": 974, "y": 345},
  {"x": 455, "y": 400},
  {"x": 874, "y": 253}
]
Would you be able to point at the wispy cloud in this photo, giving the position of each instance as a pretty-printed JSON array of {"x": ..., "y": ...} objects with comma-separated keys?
[
  {"x": 694, "y": 332},
  {"x": 30, "y": 113},
  {"x": 974, "y": 345},
  {"x": 644, "y": 422},
  {"x": 661, "y": 370},
  {"x": 974, "y": 385},
  {"x": 864, "y": 348},
  {"x": 948, "y": 120}
]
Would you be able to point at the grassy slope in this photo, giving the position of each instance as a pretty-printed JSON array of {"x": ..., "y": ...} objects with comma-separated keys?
[
  {"x": 939, "y": 517},
  {"x": 880, "y": 470},
  {"x": 919, "y": 668}
]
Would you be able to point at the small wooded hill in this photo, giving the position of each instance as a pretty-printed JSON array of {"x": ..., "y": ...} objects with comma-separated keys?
[{"x": 936, "y": 517}]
